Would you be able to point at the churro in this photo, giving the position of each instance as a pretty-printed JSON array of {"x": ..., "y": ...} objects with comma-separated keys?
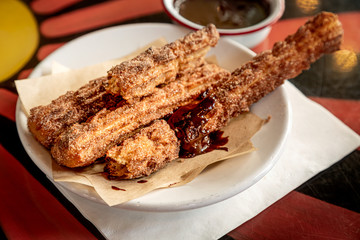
[
  {"x": 139, "y": 76},
  {"x": 260, "y": 76},
  {"x": 146, "y": 152},
  {"x": 82, "y": 143}
]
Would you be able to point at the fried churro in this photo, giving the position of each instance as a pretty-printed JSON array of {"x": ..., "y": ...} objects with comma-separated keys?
[
  {"x": 144, "y": 153},
  {"x": 81, "y": 144},
  {"x": 157, "y": 83},
  {"x": 139, "y": 76},
  {"x": 152, "y": 67},
  {"x": 47, "y": 122},
  {"x": 258, "y": 77}
]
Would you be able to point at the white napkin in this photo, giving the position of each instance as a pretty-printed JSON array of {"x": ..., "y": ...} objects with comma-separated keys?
[{"x": 317, "y": 140}]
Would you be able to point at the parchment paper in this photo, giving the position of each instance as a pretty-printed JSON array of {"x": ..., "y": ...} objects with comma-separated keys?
[{"x": 40, "y": 91}]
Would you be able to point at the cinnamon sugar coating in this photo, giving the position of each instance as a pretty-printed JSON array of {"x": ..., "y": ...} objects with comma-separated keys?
[
  {"x": 139, "y": 76},
  {"x": 83, "y": 143},
  {"x": 146, "y": 152},
  {"x": 82, "y": 140},
  {"x": 268, "y": 70},
  {"x": 47, "y": 122}
]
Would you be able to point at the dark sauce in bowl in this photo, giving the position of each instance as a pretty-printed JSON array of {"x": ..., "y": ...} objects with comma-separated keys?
[{"x": 224, "y": 14}]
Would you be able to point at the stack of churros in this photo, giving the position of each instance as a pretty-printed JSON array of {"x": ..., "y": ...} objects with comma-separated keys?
[{"x": 127, "y": 117}]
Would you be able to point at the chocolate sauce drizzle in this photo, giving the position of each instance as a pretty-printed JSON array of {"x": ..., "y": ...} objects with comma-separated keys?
[
  {"x": 187, "y": 123},
  {"x": 142, "y": 181},
  {"x": 117, "y": 188}
]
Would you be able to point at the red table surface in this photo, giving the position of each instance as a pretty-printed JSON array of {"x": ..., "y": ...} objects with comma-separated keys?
[{"x": 30, "y": 211}]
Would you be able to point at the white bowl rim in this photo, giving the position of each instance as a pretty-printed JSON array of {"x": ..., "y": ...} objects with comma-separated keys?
[{"x": 274, "y": 16}]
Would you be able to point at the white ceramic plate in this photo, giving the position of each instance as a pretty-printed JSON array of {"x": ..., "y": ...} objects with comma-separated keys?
[{"x": 215, "y": 184}]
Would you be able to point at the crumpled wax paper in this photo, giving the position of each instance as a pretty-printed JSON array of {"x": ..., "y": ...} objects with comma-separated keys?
[{"x": 40, "y": 91}]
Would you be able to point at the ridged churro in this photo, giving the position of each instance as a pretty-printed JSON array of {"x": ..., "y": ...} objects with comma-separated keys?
[
  {"x": 47, "y": 122},
  {"x": 260, "y": 76},
  {"x": 139, "y": 76},
  {"x": 167, "y": 80},
  {"x": 146, "y": 152},
  {"x": 81, "y": 144}
]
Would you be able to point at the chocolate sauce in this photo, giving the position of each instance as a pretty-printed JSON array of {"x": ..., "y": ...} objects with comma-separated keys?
[
  {"x": 142, "y": 181},
  {"x": 187, "y": 123},
  {"x": 118, "y": 189},
  {"x": 226, "y": 14}
]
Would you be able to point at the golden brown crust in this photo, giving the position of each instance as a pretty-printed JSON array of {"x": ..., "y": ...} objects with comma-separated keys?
[
  {"x": 139, "y": 76},
  {"x": 82, "y": 144},
  {"x": 269, "y": 69},
  {"x": 286, "y": 60},
  {"x": 47, "y": 122},
  {"x": 144, "y": 153}
]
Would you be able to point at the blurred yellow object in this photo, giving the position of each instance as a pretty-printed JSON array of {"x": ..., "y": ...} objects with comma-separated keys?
[
  {"x": 308, "y": 6},
  {"x": 344, "y": 60},
  {"x": 19, "y": 37}
]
